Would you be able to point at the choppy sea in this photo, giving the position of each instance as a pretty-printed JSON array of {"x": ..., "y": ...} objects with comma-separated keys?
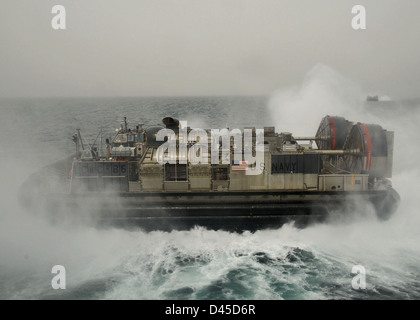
[{"x": 287, "y": 263}]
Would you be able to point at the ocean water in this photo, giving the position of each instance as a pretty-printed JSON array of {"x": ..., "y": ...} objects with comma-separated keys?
[{"x": 287, "y": 263}]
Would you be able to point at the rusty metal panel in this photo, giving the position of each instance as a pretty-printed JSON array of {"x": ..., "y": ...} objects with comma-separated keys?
[
  {"x": 310, "y": 181},
  {"x": 200, "y": 183},
  {"x": 176, "y": 186},
  {"x": 293, "y": 181},
  {"x": 151, "y": 176},
  {"x": 343, "y": 182}
]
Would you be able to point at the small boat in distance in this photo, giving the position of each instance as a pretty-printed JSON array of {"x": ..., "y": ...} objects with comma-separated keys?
[{"x": 372, "y": 98}]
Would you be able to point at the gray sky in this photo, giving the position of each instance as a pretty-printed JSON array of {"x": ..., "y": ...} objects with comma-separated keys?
[{"x": 204, "y": 47}]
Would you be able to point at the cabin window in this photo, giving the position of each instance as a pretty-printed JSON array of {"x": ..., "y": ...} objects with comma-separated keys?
[
  {"x": 120, "y": 138},
  {"x": 175, "y": 172}
]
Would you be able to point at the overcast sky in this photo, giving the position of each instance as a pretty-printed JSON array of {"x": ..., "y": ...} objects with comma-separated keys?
[{"x": 204, "y": 47}]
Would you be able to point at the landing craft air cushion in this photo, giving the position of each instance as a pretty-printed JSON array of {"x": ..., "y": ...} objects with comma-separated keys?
[{"x": 138, "y": 182}]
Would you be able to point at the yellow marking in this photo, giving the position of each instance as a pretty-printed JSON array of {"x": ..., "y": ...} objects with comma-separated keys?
[{"x": 352, "y": 182}]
